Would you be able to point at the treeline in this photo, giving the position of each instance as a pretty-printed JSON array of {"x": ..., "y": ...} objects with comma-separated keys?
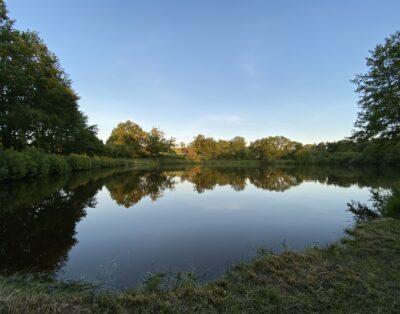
[
  {"x": 279, "y": 148},
  {"x": 130, "y": 140}
]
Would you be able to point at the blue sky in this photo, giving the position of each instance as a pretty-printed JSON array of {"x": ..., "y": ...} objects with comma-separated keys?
[{"x": 220, "y": 68}]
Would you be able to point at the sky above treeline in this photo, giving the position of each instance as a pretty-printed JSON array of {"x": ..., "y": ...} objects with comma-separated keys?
[{"x": 220, "y": 68}]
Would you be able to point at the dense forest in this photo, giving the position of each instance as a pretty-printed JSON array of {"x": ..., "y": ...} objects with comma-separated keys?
[{"x": 40, "y": 119}]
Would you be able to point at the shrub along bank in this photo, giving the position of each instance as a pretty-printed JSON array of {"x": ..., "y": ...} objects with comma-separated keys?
[{"x": 32, "y": 162}]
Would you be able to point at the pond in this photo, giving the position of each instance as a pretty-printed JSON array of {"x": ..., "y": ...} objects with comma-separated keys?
[{"x": 115, "y": 228}]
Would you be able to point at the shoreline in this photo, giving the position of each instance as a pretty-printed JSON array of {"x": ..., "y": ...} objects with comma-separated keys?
[{"x": 33, "y": 163}]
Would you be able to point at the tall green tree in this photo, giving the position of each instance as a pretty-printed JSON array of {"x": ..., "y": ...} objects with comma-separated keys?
[
  {"x": 38, "y": 106},
  {"x": 379, "y": 91},
  {"x": 128, "y": 139},
  {"x": 205, "y": 147},
  {"x": 157, "y": 143},
  {"x": 4, "y": 19},
  {"x": 273, "y": 147},
  {"x": 238, "y": 147}
]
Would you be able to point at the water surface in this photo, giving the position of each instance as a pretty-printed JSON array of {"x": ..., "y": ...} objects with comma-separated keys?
[{"x": 115, "y": 228}]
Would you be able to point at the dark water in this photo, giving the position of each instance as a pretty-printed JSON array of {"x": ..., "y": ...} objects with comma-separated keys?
[{"x": 115, "y": 228}]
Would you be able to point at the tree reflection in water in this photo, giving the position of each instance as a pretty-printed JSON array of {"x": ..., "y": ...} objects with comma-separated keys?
[
  {"x": 128, "y": 190},
  {"x": 38, "y": 219}
]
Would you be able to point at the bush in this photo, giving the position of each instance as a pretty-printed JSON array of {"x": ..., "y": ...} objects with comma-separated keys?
[
  {"x": 14, "y": 164},
  {"x": 346, "y": 157},
  {"x": 57, "y": 164},
  {"x": 392, "y": 155},
  {"x": 79, "y": 162},
  {"x": 36, "y": 162},
  {"x": 33, "y": 163}
]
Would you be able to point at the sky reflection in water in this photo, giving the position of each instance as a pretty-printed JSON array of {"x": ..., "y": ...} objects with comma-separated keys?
[{"x": 116, "y": 228}]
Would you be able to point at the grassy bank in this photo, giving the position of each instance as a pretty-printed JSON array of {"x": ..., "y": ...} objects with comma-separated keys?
[{"x": 360, "y": 274}]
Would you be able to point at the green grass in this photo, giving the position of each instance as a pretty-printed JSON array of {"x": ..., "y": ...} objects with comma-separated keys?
[{"x": 360, "y": 274}]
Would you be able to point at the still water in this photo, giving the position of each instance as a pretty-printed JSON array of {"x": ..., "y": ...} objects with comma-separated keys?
[{"x": 116, "y": 228}]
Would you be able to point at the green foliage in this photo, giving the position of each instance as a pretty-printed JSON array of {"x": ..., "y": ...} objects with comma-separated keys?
[
  {"x": 57, "y": 164},
  {"x": 391, "y": 152},
  {"x": 156, "y": 143},
  {"x": 274, "y": 147},
  {"x": 281, "y": 149},
  {"x": 380, "y": 151},
  {"x": 346, "y": 157},
  {"x": 379, "y": 91},
  {"x": 84, "y": 162},
  {"x": 29, "y": 163},
  {"x": 3, "y": 13},
  {"x": 153, "y": 282},
  {"x": 204, "y": 147},
  {"x": 79, "y": 162},
  {"x": 128, "y": 139},
  {"x": 14, "y": 163},
  {"x": 32, "y": 162},
  {"x": 384, "y": 204},
  {"x": 208, "y": 148},
  {"x": 129, "y": 190},
  {"x": 38, "y": 106}
]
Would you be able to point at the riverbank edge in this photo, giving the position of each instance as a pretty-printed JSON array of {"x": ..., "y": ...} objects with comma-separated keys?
[
  {"x": 358, "y": 274},
  {"x": 33, "y": 163}
]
